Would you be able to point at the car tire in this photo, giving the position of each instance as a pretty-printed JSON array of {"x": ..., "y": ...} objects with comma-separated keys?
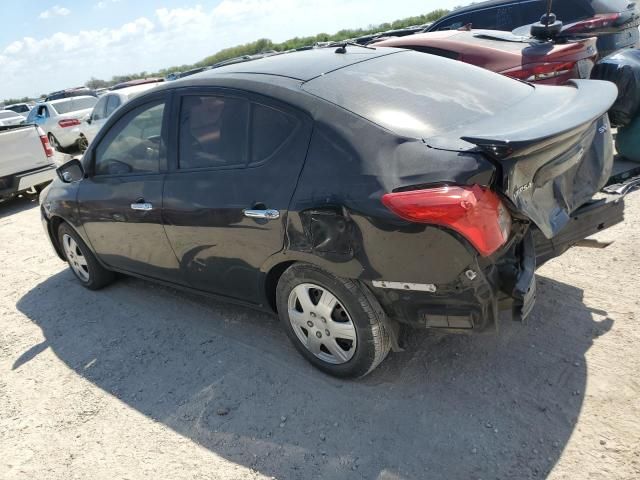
[
  {"x": 335, "y": 323},
  {"x": 53, "y": 141},
  {"x": 82, "y": 261},
  {"x": 82, "y": 144}
]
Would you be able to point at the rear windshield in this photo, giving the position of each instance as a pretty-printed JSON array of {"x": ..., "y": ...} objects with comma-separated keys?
[
  {"x": 416, "y": 94},
  {"x": 74, "y": 104},
  {"x": 18, "y": 108},
  {"x": 4, "y": 115}
]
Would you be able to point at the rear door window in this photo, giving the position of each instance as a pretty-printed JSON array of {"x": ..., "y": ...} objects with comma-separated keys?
[
  {"x": 98, "y": 110},
  {"x": 113, "y": 103},
  {"x": 213, "y": 132},
  {"x": 270, "y": 130}
]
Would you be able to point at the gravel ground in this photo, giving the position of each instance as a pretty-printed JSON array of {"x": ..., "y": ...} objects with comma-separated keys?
[{"x": 140, "y": 381}]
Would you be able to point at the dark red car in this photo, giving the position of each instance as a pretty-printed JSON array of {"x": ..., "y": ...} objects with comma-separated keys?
[{"x": 524, "y": 58}]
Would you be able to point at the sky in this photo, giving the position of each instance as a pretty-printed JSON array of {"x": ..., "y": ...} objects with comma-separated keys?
[{"x": 51, "y": 45}]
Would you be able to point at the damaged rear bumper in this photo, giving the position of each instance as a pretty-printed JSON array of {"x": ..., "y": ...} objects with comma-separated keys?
[{"x": 506, "y": 284}]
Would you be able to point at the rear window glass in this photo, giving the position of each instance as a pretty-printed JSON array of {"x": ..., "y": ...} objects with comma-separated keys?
[
  {"x": 418, "y": 95},
  {"x": 270, "y": 129},
  {"x": 74, "y": 104},
  {"x": 19, "y": 108}
]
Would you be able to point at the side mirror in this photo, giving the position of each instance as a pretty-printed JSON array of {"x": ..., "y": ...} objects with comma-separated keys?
[{"x": 71, "y": 171}]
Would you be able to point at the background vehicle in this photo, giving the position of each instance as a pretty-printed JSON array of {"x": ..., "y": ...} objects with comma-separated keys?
[
  {"x": 21, "y": 108},
  {"x": 59, "y": 117},
  {"x": 107, "y": 104},
  {"x": 26, "y": 162},
  {"x": 614, "y": 22},
  {"x": 351, "y": 189},
  {"x": 532, "y": 60},
  {"x": 134, "y": 83},
  {"x": 70, "y": 92},
  {"x": 9, "y": 117}
]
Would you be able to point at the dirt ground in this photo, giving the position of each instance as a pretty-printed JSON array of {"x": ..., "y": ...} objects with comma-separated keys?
[{"x": 140, "y": 381}]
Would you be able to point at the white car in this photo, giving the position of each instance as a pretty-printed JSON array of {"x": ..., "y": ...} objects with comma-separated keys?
[
  {"x": 107, "y": 104},
  {"x": 58, "y": 119},
  {"x": 21, "y": 108},
  {"x": 9, "y": 117}
]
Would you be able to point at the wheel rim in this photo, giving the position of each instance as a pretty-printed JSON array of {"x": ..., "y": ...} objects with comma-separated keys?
[
  {"x": 322, "y": 323},
  {"x": 83, "y": 143},
  {"x": 76, "y": 259}
]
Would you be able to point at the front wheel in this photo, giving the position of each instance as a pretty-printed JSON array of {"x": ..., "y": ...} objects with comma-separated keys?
[
  {"x": 82, "y": 261},
  {"x": 335, "y": 323}
]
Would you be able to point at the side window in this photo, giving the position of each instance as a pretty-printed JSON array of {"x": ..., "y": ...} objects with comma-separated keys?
[
  {"x": 270, "y": 129},
  {"x": 134, "y": 144},
  {"x": 213, "y": 132},
  {"x": 113, "y": 102},
  {"x": 42, "y": 111},
  {"x": 98, "y": 110}
]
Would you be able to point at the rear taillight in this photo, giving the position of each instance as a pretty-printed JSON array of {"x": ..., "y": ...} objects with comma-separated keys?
[
  {"x": 475, "y": 212},
  {"x": 604, "y": 20},
  {"x": 540, "y": 71},
  {"x": 48, "y": 151},
  {"x": 69, "y": 122}
]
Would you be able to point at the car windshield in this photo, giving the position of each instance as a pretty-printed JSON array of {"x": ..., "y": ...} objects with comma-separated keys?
[
  {"x": 418, "y": 95},
  {"x": 5, "y": 115},
  {"x": 74, "y": 104},
  {"x": 18, "y": 108}
]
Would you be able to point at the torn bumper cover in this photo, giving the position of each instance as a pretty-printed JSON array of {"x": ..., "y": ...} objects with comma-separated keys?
[{"x": 505, "y": 284}]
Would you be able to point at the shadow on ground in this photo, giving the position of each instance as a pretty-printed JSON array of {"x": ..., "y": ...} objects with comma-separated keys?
[
  {"x": 483, "y": 406},
  {"x": 15, "y": 205}
]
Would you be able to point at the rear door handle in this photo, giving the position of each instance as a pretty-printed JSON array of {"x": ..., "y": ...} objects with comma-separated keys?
[
  {"x": 268, "y": 214},
  {"x": 144, "y": 206}
]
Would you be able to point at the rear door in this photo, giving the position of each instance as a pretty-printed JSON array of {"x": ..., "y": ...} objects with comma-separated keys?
[
  {"x": 233, "y": 175},
  {"x": 121, "y": 200}
]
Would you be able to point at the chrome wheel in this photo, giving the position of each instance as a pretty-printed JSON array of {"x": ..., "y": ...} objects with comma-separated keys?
[
  {"x": 322, "y": 323},
  {"x": 76, "y": 259}
]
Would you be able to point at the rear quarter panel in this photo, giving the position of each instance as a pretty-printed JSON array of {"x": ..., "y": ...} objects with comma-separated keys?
[{"x": 21, "y": 150}]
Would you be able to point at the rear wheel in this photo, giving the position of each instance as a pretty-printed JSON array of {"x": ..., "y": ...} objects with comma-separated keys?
[
  {"x": 82, "y": 261},
  {"x": 83, "y": 143},
  {"x": 335, "y": 323}
]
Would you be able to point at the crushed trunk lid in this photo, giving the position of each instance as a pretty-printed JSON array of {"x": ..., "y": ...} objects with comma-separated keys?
[{"x": 553, "y": 150}]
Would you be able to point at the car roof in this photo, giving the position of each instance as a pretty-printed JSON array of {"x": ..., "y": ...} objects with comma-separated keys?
[
  {"x": 133, "y": 90},
  {"x": 68, "y": 99},
  {"x": 299, "y": 65}
]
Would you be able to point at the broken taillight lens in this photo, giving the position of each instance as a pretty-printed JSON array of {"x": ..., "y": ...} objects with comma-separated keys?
[
  {"x": 604, "y": 20},
  {"x": 474, "y": 212}
]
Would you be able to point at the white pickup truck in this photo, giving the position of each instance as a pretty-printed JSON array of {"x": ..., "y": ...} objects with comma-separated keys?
[{"x": 26, "y": 160}]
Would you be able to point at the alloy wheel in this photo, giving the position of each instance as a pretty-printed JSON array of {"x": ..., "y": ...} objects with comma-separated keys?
[
  {"x": 76, "y": 259},
  {"x": 322, "y": 323}
]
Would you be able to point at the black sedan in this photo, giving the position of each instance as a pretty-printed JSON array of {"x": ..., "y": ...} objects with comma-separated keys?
[{"x": 351, "y": 190}]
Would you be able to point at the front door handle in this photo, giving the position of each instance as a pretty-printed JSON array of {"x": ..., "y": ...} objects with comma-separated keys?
[
  {"x": 268, "y": 214},
  {"x": 144, "y": 206}
]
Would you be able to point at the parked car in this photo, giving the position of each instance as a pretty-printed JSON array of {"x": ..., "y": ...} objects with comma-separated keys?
[
  {"x": 70, "y": 92},
  {"x": 59, "y": 117},
  {"x": 614, "y": 22},
  {"x": 107, "y": 104},
  {"x": 350, "y": 190},
  {"x": 9, "y": 117},
  {"x": 26, "y": 163},
  {"x": 524, "y": 58},
  {"x": 21, "y": 108},
  {"x": 177, "y": 75}
]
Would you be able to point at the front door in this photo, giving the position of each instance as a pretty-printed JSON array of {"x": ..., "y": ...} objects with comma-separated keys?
[
  {"x": 226, "y": 198},
  {"x": 121, "y": 201}
]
